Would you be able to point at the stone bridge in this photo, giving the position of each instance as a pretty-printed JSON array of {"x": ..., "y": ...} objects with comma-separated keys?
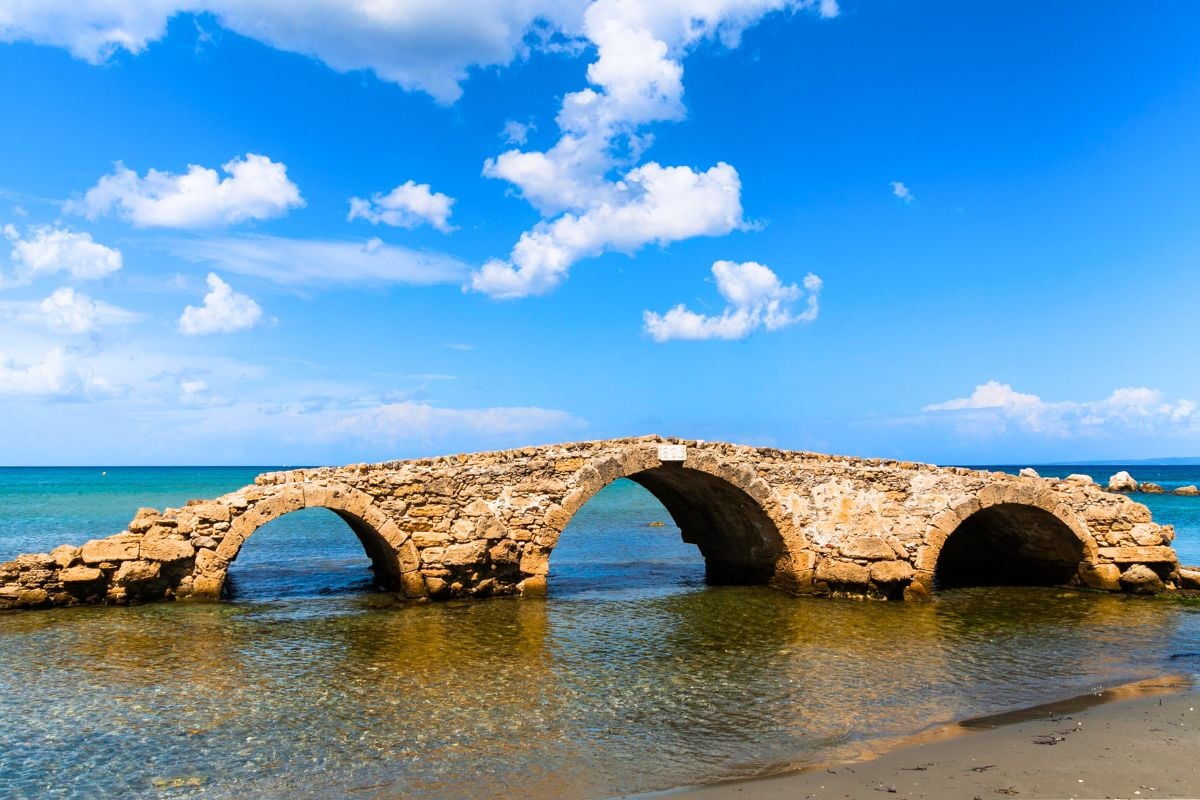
[{"x": 486, "y": 524}]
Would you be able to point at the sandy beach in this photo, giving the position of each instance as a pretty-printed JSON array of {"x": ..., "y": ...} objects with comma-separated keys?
[{"x": 1138, "y": 741}]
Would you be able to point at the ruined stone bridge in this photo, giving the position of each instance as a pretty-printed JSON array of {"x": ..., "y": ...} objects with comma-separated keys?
[{"x": 486, "y": 524}]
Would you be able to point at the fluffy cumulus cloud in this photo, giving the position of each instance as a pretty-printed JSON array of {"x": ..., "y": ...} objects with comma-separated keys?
[
  {"x": 635, "y": 80},
  {"x": 995, "y": 407},
  {"x": 60, "y": 374},
  {"x": 66, "y": 311},
  {"x": 318, "y": 264},
  {"x": 426, "y": 45},
  {"x": 414, "y": 421},
  {"x": 223, "y": 311},
  {"x": 755, "y": 298},
  {"x": 48, "y": 250},
  {"x": 254, "y": 188},
  {"x": 407, "y": 206},
  {"x": 654, "y": 204}
]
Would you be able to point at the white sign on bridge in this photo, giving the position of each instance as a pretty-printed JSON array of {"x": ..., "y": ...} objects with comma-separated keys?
[{"x": 672, "y": 452}]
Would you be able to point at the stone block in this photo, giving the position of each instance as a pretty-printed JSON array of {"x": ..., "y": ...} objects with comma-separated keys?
[
  {"x": 1189, "y": 578},
  {"x": 412, "y": 584},
  {"x": 505, "y": 553},
  {"x": 1134, "y": 555},
  {"x": 66, "y": 555},
  {"x": 167, "y": 550},
  {"x": 462, "y": 555},
  {"x": 134, "y": 572},
  {"x": 431, "y": 510},
  {"x": 568, "y": 464},
  {"x": 122, "y": 547},
  {"x": 891, "y": 572},
  {"x": 1101, "y": 576},
  {"x": 1140, "y": 579},
  {"x": 840, "y": 572},
  {"x": 1146, "y": 534},
  {"x": 80, "y": 574},
  {"x": 430, "y": 539},
  {"x": 209, "y": 563},
  {"x": 36, "y": 561},
  {"x": 870, "y": 547}
]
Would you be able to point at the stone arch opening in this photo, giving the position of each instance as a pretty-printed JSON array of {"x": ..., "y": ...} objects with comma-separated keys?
[
  {"x": 1010, "y": 544},
  {"x": 379, "y": 537},
  {"x": 307, "y": 552},
  {"x": 712, "y": 506},
  {"x": 740, "y": 542}
]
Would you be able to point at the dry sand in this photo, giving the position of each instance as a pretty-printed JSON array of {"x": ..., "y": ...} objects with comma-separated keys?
[{"x": 1140, "y": 741}]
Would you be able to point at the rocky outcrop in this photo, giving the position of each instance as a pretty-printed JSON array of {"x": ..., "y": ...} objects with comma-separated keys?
[
  {"x": 1028, "y": 472},
  {"x": 1150, "y": 488},
  {"x": 1187, "y": 491},
  {"x": 1122, "y": 482},
  {"x": 482, "y": 524}
]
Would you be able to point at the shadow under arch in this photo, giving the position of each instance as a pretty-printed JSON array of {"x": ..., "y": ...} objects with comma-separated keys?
[
  {"x": 381, "y": 538},
  {"x": 1011, "y": 544},
  {"x": 727, "y": 512}
]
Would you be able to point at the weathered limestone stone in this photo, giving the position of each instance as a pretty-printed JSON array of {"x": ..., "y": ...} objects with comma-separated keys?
[
  {"x": 1190, "y": 578},
  {"x": 1029, "y": 472},
  {"x": 1078, "y": 477},
  {"x": 430, "y": 539},
  {"x": 1122, "y": 482},
  {"x": 870, "y": 548},
  {"x": 891, "y": 572},
  {"x": 121, "y": 547},
  {"x": 1188, "y": 491},
  {"x": 458, "y": 555},
  {"x": 1101, "y": 576},
  {"x": 167, "y": 550},
  {"x": 65, "y": 555},
  {"x": 131, "y": 572},
  {"x": 80, "y": 574},
  {"x": 1142, "y": 555},
  {"x": 1140, "y": 579},
  {"x": 1151, "y": 488},
  {"x": 842, "y": 573}
]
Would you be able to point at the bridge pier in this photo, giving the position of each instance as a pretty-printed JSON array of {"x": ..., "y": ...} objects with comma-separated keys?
[{"x": 486, "y": 524}]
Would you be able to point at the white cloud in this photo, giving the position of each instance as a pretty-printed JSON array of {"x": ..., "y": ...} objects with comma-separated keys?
[
  {"x": 224, "y": 311},
  {"x": 407, "y": 206},
  {"x": 50, "y": 250},
  {"x": 517, "y": 132},
  {"x": 636, "y": 79},
  {"x": 255, "y": 188},
  {"x": 902, "y": 191},
  {"x": 59, "y": 374},
  {"x": 994, "y": 407},
  {"x": 427, "y": 45},
  {"x": 755, "y": 298},
  {"x": 413, "y": 421},
  {"x": 653, "y": 204},
  {"x": 195, "y": 393},
  {"x": 66, "y": 311},
  {"x": 320, "y": 263}
]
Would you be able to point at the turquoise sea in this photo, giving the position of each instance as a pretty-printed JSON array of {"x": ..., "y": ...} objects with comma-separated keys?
[{"x": 632, "y": 676}]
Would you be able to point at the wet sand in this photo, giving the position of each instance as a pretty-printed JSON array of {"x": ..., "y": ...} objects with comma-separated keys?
[{"x": 1138, "y": 741}]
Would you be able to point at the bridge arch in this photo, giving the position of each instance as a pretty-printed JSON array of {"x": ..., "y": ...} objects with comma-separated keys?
[
  {"x": 730, "y": 513},
  {"x": 1006, "y": 535},
  {"x": 393, "y": 556}
]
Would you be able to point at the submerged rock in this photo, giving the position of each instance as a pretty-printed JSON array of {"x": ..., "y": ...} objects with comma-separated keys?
[{"x": 1122, "y": 482}]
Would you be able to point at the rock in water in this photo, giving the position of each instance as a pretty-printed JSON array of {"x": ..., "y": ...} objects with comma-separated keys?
[
  {"x": 1078, "y": 477},
  {"x": 1140, "y": 579},
  {"x": 1029, "y": 472},
  {"x": 1122, "y": 482},
  {"x": 1151, "y": 488},
  {"x": 1187, "y": 491}
]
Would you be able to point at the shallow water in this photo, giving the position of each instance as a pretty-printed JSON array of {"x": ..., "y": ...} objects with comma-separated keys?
[{"x": 632, "y": 676}]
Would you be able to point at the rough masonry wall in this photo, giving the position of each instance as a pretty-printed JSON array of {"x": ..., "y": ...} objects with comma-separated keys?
[{"x": 486, "y": 523}]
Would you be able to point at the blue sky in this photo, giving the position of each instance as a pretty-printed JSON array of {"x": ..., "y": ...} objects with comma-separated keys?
[{"x": 338, "y": 232}]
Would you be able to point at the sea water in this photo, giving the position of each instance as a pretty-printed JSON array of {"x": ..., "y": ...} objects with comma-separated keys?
[{"x": 632, "y": 676}]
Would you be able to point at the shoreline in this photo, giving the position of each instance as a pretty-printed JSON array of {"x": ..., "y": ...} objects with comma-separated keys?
[{"x": 1136, "y": 740}]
